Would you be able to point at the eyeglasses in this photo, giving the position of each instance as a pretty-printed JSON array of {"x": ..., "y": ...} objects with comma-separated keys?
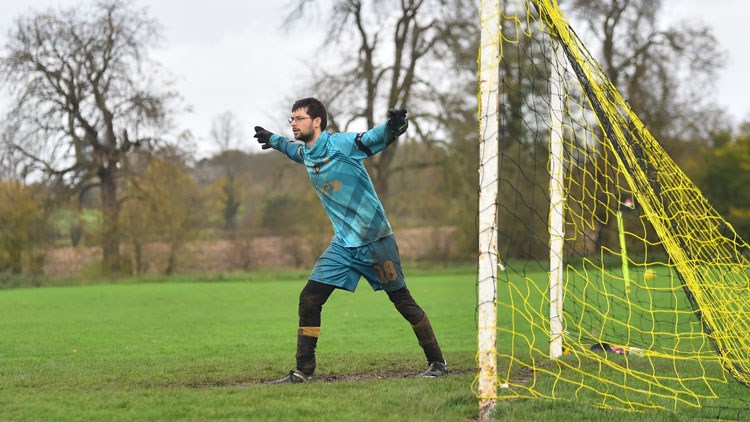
[{"x": 298, "y": 119}]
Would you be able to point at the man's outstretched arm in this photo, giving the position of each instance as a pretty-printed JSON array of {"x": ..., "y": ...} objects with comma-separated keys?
[
  {"x": 378, "y": 138},
  {"x": 267, "y": 139}
]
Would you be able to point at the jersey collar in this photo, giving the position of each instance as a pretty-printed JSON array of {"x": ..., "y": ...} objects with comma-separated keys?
[{"x": 319, "y": 147}]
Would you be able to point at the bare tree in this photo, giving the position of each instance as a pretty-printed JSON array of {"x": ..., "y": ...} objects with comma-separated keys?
[
  {"x": 225, "y": 131},
  {"x": 666, "y": 72},
  {"x": 85, "y": 94},
  {"x": 392, "y": 53}
]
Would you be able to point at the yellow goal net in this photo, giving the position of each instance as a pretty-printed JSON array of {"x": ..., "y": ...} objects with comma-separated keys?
[{"x": 615, "y": 282}]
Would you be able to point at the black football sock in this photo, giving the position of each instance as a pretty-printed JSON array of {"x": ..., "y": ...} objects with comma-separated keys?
[
  {"x": 311, "y": 301},
  {"x": 306, "y": 350},
  {"x": 412, "y": 312},
  {"x": 428, "y": 341}
]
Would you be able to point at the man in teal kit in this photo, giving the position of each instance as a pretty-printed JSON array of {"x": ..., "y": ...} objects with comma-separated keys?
[{"x": 363, "y": 244}]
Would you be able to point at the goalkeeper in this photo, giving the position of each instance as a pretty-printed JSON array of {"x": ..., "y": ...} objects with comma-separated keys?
[{"x": 363, "y": 244}]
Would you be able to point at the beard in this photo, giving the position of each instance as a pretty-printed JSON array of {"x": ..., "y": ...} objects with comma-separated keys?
[{"x": 304, "y": 137}]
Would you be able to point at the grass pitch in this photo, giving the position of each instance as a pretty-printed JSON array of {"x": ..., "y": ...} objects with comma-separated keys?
[{"x": 204, "y": 349}]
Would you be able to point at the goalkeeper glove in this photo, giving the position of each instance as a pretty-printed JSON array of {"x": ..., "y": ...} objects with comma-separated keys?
[
  {"x": 397, "y": 122},
  {"x": 263, "y": 136}
]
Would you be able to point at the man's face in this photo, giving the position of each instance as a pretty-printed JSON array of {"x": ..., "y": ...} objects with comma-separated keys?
[{"x": 302, "y": 125}]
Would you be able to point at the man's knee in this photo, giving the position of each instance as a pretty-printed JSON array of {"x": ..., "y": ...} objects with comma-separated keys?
[
  {"x": 311, "y": 301},
  {"x": 308, "y": 302},
  {"x": 406, "y": 305}
]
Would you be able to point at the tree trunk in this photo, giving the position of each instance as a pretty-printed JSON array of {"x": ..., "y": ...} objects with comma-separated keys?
[
  {"x": 171, "y": 259},
  {"x": 382, "y": 171},
  {"x": 110, "y": 215},
  {"x": 15, "y": 257},
  {"x": 139, "y": 266}
]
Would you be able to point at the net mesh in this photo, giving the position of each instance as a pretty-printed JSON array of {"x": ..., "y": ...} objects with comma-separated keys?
[{"x": 656, "y": 297}]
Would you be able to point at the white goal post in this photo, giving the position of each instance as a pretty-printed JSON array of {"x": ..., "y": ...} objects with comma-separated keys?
[
  {"x": 489, "y": 60},
  {"x": 557, "y": 203},
  {"x": 489, "y": 263}
]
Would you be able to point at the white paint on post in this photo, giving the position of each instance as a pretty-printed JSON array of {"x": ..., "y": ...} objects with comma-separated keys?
[
  {"x": 489, "y": 61},
  {"x": 557, "y": 204}
]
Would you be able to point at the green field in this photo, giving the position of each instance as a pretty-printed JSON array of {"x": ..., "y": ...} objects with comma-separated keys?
[{"x": 185, "y": 349}]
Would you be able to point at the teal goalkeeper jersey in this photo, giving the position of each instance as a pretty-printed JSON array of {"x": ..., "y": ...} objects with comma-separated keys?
[{"x": 334, "y": 166}]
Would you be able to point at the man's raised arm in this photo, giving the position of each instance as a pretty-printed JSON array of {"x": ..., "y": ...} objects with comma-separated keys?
[
  {"x": 378, "y": 138},
  {"x": 267, "y": 139}
]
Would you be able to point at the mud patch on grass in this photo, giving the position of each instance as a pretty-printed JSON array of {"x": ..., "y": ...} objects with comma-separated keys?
[{"x": 329, "y": 378}]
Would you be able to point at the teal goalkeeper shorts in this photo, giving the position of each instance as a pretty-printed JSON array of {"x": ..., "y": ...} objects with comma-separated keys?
[{"x": 378, "y": 262}]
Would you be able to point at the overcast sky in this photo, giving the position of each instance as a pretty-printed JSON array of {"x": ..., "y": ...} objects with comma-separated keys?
[
  {"x": 226, "y": 55},
  {"x": 231, "y": 55},
  {"x": 728, "y": 20}
]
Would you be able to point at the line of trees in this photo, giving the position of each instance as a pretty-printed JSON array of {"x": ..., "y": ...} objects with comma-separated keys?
[{"x": 90, "y": 154}]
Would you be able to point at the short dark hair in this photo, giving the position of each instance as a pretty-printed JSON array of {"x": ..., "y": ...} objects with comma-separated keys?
[{"x": 314, "y": 109}]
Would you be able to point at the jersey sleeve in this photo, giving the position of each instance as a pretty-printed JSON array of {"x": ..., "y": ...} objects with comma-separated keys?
[
  {"x": 364, "y": 144},
  {"x": 291, "y": 149}
]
